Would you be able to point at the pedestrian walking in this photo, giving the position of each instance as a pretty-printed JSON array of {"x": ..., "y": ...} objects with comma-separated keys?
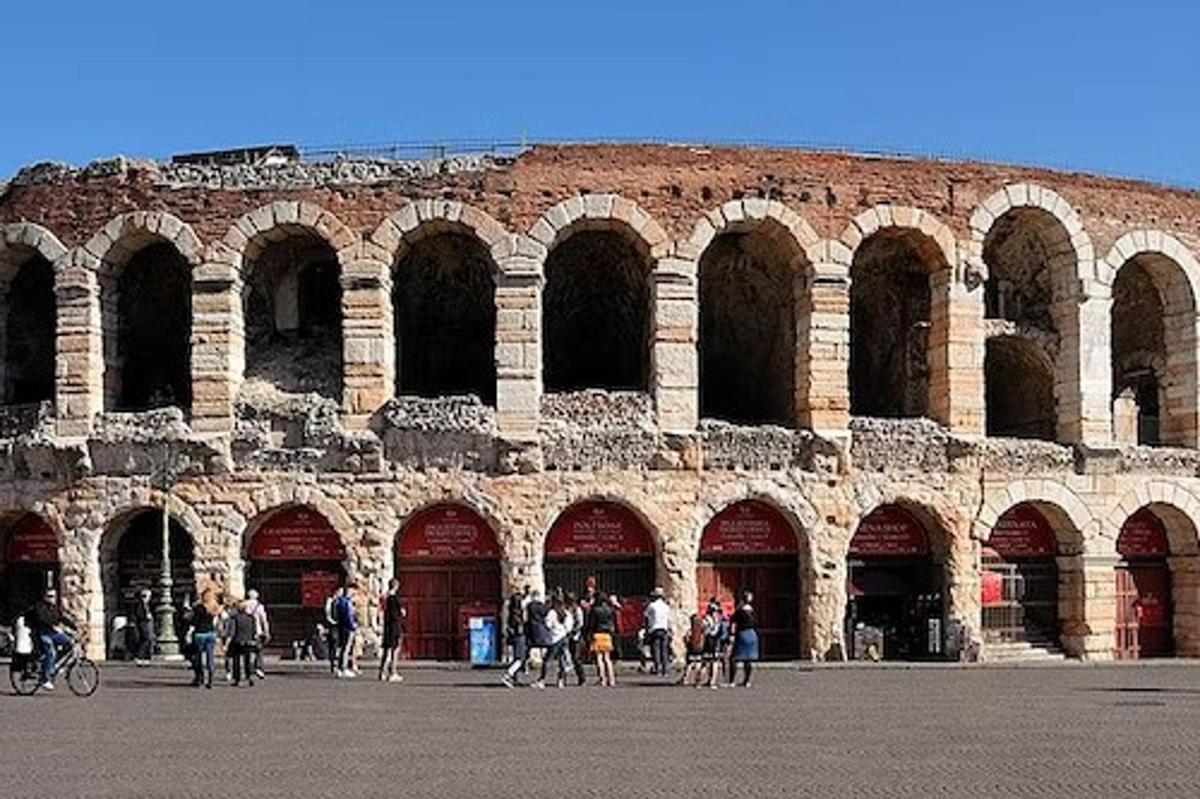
[
  {"x": 518, "y": 640},
  {"x": 716, "y": 633},
  {"x": 243, "y": 641},
  {"x": 658, "y": 631},
  {"x": 333, "y": 633},
  {"x": 558, "y": 624},
  {"x": 603, "y": 624},
  {"x": 143, "y": 621},
  {"x": 576, "y": 645},
  {"x": 262, "y": 634},
  {"x": 204, "y": 618},
  {"x": 744, "y": 633},
  {"x": 393, "y": 613},
  {"x": 693, "y": 652},
  {"x": 348, "y": 629}
]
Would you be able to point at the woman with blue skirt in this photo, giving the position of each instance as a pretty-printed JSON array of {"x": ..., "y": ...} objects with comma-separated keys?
[{"x": 745, "y": 640}]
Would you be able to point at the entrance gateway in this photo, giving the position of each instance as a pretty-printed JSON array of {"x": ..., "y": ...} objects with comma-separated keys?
[
  {"x": 30, "y": 565},
  {"x": 895, "y": 589},
  {"x": 1019, "y": 583},
  {"x": 448, "y": 564},
  {"x": 750, "y": 546},
  {"x": 295, "y": 564},
  {"x": 606, "y": 541},
  {"x": 1143, "y": 589}
]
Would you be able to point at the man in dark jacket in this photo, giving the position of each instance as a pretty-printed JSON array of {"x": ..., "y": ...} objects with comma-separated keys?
[
  {"x": 243, "y": 643},
  {"x": 143, "y": 619},
  {"x": 49, "y": 626}
]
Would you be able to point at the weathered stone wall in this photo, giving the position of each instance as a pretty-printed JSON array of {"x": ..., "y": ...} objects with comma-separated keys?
[{"x": 368, "y": 459}]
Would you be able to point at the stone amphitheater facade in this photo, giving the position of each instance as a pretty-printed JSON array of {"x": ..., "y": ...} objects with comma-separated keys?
[{"x": 1015, "y": 267}]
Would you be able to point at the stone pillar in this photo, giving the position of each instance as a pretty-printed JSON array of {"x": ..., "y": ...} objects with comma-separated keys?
[
  {"x": 1185, "y": 599},
  {"x": 956, "y": 351},
  {"x": 1179, "y": 392},
  {"x": 822, "y": 377},
  {"x": 218, "y": 347},
  {"x": 1090, "y": 636},
  {"x": 518, "y": 349},
  {"x": 1125, "y": 419},
  {"x": 963, "y": 601},
  {"x": 368, "y": 354},
  {"x": 1083, "y": 372},
  {"x": 79, "y": 354},
  {"x": 674, "y": 357},
  {"x": 823, "y": 603}
]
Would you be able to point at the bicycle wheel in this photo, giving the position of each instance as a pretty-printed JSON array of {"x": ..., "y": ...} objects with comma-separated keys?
[
  {"x": 25, "y": 679},
  {"x": 83, "y": 677}
]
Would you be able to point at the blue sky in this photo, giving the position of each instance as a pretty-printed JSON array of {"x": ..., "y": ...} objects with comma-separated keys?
[{"x": 1095, "y": 86}]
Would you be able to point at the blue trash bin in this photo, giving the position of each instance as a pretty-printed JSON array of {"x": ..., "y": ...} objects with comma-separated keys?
[{"x": 482, "y": 640}]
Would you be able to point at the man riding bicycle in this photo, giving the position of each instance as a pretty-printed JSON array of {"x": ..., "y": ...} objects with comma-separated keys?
[{"x": 50, "y": 625}]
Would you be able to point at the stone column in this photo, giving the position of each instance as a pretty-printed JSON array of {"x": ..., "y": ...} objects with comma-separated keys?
[
  {"x": 956, "y": 351},
  {"x": 518, "y": 348},
  {"x": 218, "y": 347},
  {"x": 368, "y": 352},
  {"x": 674, "y": 358},
  {"x": 1091, "y": 637},
  {"x": 1185, "y": 599},
  {"x": 1178, "y": 408},
  {"x": 824, "y": 578},
  {"x": 822, "y": 377},
  {"x": 1083, "y": 372},
  {"x": 79, "y": 354}
]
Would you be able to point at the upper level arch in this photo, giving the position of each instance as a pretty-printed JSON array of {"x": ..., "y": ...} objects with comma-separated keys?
[
  {"x": 421, "y": 219},
  {"x": 605, "y": 212},
  {"x": 30, "y": 255},
  {"x": 246, "y": 238},
  {"x": 1015, "y": 197}
]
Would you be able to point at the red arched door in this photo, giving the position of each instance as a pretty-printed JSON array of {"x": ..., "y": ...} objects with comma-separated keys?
[
  {"x": 609, "y": 542},
  {"x": 448, "y": 564},
  {"x": 1019, "y": 584},
  {"x": 1143, "y": 590},
  {"x": 895, "y": 589},
  {"x": 30, "y": 565},
  {"x": 295, "y": 564},
  {"x": 750, "y": 546}
]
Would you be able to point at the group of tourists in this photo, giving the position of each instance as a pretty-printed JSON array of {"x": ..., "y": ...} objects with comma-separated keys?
[
  {"x": 239, "y": 628},
  {"x": 567, "y": 631},
  {"x": 339, "y": 633}
]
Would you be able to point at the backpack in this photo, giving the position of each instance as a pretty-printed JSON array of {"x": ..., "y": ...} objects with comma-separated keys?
[{"x": 695, "y": 640}]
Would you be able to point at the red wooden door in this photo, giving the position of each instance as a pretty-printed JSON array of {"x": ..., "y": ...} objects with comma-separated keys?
[
  {"x": 434, "y": 594},
  {"x": 1143, "y": 600}
]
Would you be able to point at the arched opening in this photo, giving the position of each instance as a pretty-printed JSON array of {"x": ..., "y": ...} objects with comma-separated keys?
[
  {"x": 596, "y": 313},
  {"x": 896, "y": 592},
  {"x": 147, "y": 320},
  {"x": 445, "y": 317},
  {"x": 131, "y": 559},
  {"x": 1019, "y": 389},
  {"x": 1144, "y": 597},
  {"x": 1153, "y": 353},
  {"x": 748, "y": 290},
  {"x": 292, "y": 302},
  {"x": 30, "y": 565},
  {"x": 751, "y": 546},
  {"x": 296, "y": 562},
  {"x": 29, "y": 330},
  {"x": 1029, "y": 299},
  {"x": 448, "y": 564},
  {"x": 1020, "y": 580},
  {"x": 890, "y": 323},
  {"x": 607, "y": 542}
]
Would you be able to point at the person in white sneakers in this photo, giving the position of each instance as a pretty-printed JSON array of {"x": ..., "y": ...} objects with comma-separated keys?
[
  {"x": 658, "y": 630},
  {"x": 559, "y": 622}
]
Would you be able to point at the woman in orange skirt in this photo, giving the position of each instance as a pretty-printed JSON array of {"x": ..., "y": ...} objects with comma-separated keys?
[{"x": 604, "y": 628}]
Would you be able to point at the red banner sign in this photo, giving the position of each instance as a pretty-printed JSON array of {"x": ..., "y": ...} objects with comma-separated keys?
[
  {"x": 599, "y": 529},
  {"x": 889, "y": 531},
  {"x": 991, "y": 589},
  {"x": 447, "y": 532},
  {"x": 748, "y": 528},
  {"x": 315, "y": 588},
  {"x": 31, "y": 540},
  {"x": 1023, "y": 532},
  {"x": 296, "y": 534},
  {"x": 1143, "y": 536}
]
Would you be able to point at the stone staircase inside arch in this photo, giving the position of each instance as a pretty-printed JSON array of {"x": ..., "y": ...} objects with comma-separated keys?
[{"x": 1033, "y": 650}]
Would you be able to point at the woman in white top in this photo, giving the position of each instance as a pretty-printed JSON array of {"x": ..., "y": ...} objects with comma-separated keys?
[{"x": 559, "y": 621}]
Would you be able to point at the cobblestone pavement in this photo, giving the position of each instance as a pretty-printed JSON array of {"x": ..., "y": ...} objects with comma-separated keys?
[{"x": 1053, "y": 731}]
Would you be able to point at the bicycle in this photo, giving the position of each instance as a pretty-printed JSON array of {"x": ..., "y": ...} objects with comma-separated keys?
[{"x": 83, "y": 676}]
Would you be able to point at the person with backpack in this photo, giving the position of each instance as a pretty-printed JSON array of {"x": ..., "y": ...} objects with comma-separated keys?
[
  {"x": 716, "y": 635},
  {"x": 348, "y": 632},
  {"x": 693, "y": 670},
  {"x": 559, "y": 621},
  {"x": 333, "y": 634},
  {"x": 258, "y": 610},
  {"x": 243, "y": 642},
  {"x": 602, "y": 625}
]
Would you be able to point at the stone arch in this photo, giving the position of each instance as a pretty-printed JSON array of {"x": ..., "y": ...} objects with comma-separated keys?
[
  {"x": 1159, "y": 342},
  {"x": 612, "y": 497},
  {"x": 1072, "y": 304},
  {"x": 754, "y": 263},
  {"x": 1182, "y": 508},
  {"x": 1074, "y": 510},
  {"x": 30, "y": 257},
  {"x": 246, "y": 237},
  {"x": 144, "y": 262},
  {"x": 902, "y": 263},
  {"x": 796, "y": 508},
  {"x": 1024, "y": 407},
  {"x": 444, "y": 267},
  {"x": 486, "y": 512},
  {"x": 604, "y": 212},
  {"x": 267, "y": 502}
]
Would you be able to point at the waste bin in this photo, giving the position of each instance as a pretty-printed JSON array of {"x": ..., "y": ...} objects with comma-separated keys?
[{"x": 482, "y": 640}]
